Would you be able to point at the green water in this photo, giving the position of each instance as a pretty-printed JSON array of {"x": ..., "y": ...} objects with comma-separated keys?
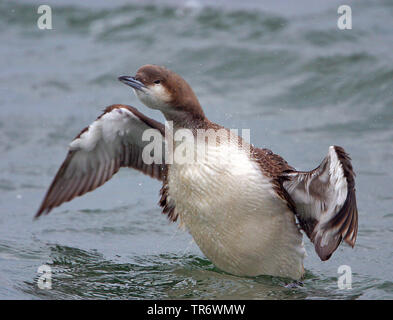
[{"x": 285, "y": 71}]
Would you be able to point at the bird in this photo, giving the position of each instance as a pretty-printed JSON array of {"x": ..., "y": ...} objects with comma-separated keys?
[{"x": 245, "y": 207}]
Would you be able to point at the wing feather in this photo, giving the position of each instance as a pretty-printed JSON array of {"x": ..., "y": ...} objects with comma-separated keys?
[
  {"x": 325, "y": 202},
  {"x": 114, "y": 140}
]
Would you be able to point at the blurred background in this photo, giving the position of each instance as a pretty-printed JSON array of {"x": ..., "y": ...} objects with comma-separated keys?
[{"x": 280, "y": 68}]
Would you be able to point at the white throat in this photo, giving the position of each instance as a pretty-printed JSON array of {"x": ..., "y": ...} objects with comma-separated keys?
[{"x": 154, "y": 97}]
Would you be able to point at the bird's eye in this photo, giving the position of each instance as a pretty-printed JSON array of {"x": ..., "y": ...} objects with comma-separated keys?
[{"x": 157, "y": 81}]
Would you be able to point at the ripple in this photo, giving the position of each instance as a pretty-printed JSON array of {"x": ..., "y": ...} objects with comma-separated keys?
[{"x": 80, "y": 274}]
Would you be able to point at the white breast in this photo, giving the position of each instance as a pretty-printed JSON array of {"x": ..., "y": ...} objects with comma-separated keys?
[{"x": 235, "y": 216}]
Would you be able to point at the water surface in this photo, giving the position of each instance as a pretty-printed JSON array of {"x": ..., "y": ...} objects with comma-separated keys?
[{"x": 284, "y": 71}]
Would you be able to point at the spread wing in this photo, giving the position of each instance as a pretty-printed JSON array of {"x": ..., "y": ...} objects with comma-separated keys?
[
  {"x": 114, "y": 140},
  {"x": 325, "y": 202}
]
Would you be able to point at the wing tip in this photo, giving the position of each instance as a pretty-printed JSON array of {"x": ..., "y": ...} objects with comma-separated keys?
[
  {"x": 43, "y": 210},
  {"x": 343, "y": 226},
  {"x": 326, "y": 251},
  {"x": 345, "y": 161},
  {"x": 37, "y": 215}
]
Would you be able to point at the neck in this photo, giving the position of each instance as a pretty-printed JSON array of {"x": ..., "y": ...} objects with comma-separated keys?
[{"x": 191, "y": 117}]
